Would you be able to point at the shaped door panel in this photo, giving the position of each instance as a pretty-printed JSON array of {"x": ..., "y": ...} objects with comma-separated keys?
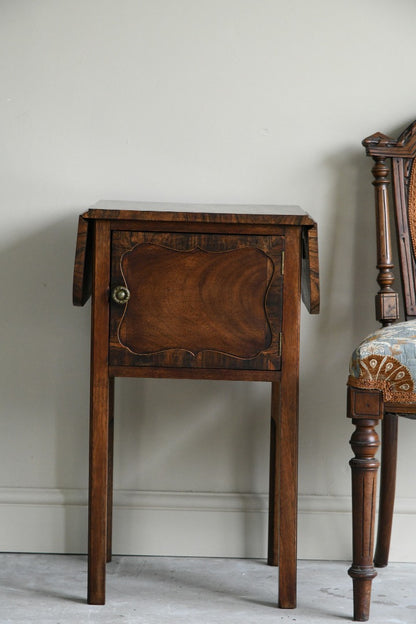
[{"x": 200, "y": 301}]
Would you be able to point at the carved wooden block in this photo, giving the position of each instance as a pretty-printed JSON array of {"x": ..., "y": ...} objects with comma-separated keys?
[
  {"x": 387, "y": 307},
  {"x": 364, "y": 404}
]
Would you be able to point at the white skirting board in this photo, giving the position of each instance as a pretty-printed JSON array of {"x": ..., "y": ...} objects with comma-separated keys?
[{"x": 185, "y": 524}]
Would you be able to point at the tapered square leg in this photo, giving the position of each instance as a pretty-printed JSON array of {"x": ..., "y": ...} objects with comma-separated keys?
[
  {"x": 110, "y": 471},
  {"x": 273, "y": 538},
  {"x": 285, "y": 407},
  {"x": 288, "y": 497},
  {"x": 101, "y": 399},
  {"x": 97, "y": 526}
]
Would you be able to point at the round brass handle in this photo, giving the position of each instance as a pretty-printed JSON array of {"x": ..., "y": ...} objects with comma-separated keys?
[{"x": 120, "y": 294}]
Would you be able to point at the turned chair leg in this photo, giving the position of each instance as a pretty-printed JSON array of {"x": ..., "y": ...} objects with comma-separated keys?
[
  {"x": 365, "y": 409},
  {"x": 387, "y": 488}
]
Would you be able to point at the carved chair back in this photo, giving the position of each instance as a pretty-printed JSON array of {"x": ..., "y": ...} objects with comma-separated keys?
[{"x": 402, "y": 154}]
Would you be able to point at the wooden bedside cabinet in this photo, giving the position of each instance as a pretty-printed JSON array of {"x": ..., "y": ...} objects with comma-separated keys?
[{"x": 196, "y": 292}]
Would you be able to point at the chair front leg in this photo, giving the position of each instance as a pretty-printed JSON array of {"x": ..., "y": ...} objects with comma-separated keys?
[{"x": 365, "y": 409}]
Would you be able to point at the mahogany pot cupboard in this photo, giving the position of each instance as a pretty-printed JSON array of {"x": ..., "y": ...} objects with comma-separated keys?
[{"x": 196, "y": 292}]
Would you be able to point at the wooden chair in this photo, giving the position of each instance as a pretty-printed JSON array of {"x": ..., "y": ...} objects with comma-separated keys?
[{"x": 382, "y": 380}]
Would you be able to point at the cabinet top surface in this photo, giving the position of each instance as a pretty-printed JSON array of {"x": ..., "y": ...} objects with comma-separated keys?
[
  {"x": 220, "y": 213},
  {"x": 186, "y": 216}
]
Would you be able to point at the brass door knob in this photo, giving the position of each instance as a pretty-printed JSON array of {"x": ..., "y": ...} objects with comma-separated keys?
[{"x": 120, "y": 294}]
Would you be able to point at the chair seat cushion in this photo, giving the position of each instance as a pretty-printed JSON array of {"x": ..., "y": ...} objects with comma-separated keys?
[{"x": 386, "y": 361}]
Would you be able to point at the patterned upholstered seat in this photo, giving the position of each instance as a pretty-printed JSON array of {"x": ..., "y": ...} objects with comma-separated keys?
[{"x": 386, "y": 361}]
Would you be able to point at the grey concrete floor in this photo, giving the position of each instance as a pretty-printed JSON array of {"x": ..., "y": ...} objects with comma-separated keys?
[{"x": 150, "y": 590}]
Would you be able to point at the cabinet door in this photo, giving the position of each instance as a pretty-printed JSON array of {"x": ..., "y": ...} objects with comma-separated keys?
[{"x": 196, "y": 300}]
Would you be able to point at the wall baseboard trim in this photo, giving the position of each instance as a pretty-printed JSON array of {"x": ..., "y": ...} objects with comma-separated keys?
[{"x": 182, "y": 523}]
